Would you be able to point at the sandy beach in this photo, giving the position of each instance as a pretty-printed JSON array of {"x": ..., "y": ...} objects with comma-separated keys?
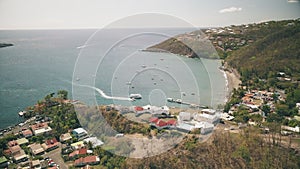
[{"x": 233, "y": 79}]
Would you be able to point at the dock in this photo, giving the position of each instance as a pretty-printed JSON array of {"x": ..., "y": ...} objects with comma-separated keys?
[{"x": 179, "y": 101}]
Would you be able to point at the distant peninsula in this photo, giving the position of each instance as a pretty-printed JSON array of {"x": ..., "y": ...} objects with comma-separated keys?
[{"x": 2, "y": 45}]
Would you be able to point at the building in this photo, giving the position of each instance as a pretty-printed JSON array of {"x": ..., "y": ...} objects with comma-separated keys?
[
  {"x": 65, "y": 137},
  {"x": 40, "y": 128},
  {"x": 185, "y": 127},
  {"x": 36, "y": 149},
  {"x": 94, "y": 141},
  {"x": 207, "y": 128},
  {"x": 154, "y": 110},
  {"x": 77, "y": 145},
  {"x": 22, "y": 141},
  {"x": 3, "y": 162},
  {"x": 18, "y": 154},
  {"x": 185, "y": 116},
  {"x": 27, "y": 133},
  {"x": 80, "y": 133},
  {"x": 211, "y": 118},
  {"x": 50, "y": 144},
  {"x": 89, "y": 160},
  {"x": 82, "y": 151},
  {"x": 35, "y": 164}
]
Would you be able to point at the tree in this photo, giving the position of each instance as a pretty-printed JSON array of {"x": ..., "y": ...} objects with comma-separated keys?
[
  {"x": 266, "y": 109},
  {"x": 63, "y": 94}
]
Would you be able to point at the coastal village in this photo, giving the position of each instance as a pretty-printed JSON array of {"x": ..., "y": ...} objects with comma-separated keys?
[{"x": 51, "y": 136}]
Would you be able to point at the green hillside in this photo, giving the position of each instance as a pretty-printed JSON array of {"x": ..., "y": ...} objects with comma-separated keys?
[{"x": 276, "y": 49}]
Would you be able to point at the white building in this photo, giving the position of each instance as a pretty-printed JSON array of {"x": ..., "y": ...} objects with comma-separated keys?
[
  {"x": 94, "y": 140},
  {"x": 79, "y": 133},
  {"x": 207, "y": 117},
  {"x": 185, "y": 116}
]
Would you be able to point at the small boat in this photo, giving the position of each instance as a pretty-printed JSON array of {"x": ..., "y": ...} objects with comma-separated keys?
[
  {"x": 170, "y": 99},
  {"x": 77, "y": 79},
  {"x": 135, "y": 96},
  {"x": 178, "y": 101},
  {"x": 144, "y": 66},
  {"x": 128, "y": 83},
  {"x": 183, "y": 94},
  {"x": 193, "y": 94}
]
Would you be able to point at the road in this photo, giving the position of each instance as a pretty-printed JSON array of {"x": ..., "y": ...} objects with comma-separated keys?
[{"x": 55, "y": 155}]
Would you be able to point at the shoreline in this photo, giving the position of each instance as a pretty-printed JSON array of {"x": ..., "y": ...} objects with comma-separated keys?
[{"x": 232, "y": 78}]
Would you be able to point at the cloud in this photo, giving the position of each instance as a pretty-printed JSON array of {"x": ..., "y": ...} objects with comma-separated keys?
[
  {"x": 291, "y": 1},
  {"x": 231, "y": 9}
]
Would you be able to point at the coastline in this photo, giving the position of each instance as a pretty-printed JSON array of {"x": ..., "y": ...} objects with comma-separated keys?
[{"x": 232, "y": 80}]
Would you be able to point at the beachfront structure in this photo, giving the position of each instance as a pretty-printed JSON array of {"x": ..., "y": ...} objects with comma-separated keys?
[
  {"x": 80, "y": 133},
  {"x": 40, "y": 128},
  {"x": 94, "y": 141},
  {"x": 185, "y": 127},
  {"x": 154, "y": 110},
  {"x": 65, "y": 137},
  {"x": 36, "y": 149},
  {"x": 209, "y": 111},
  {"x": 207, "y": 128}
]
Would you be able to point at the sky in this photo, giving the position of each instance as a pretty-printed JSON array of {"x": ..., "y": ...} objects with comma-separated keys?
[{"x": 77, "y": 14}]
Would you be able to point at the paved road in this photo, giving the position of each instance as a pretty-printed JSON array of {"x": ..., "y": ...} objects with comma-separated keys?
[{"x": 55, "y": 155}]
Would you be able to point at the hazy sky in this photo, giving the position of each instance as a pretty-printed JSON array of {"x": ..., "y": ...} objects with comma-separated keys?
[{"x": 55, "y": 14}]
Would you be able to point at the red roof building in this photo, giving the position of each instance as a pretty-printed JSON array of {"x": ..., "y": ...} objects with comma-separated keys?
[
  {"x": 91, "y": 160},
  {"x": 27, "y": 133},
  {"x": 82, "y": 151},
  {"x": 138, "y": 108},
  {"x": 50, "y": 144},
  {"x": 153, "y": 120},
  {"x": 161, "y": 123},
  {"x": 172, "y": 122}
]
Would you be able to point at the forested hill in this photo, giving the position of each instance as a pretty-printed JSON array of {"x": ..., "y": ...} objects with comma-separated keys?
[{"x": 276, "y": 49}]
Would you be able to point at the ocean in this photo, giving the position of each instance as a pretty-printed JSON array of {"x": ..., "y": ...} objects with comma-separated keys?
[{"x": 111, "y": 60}]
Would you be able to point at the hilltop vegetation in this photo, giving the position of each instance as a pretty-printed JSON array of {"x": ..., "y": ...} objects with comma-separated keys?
[{"x": 276, "y": 49}]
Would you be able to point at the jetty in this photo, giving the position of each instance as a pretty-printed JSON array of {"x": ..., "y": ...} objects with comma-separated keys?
[{"x": 179, "y": 101}]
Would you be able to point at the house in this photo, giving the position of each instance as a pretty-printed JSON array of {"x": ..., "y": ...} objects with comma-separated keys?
[
  {"x": 18, "y": 154},
  {"x": 65, "y": 137},
  {"x": 185, "y": 116},
  {"x": 40, "y": 128},
  {"x": 94, "y": 141},
  {"x": 27, "y": 133},
  {"x": 12, "y": 143},
  {"x": 50, "y": 144},
  {"x": 35, "y": 164},
  {"x": 209, "y": 111},
  {"x": 80, "y": 133},
  {"x": 22, "y": 141},
  {"x": 89, "y": 160},
  {"x": 36, "y": 149},
  {"x": 82, "y": 151},
  {"x": 77, "y": 145}
]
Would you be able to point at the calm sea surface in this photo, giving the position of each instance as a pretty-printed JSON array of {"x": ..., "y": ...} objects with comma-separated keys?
[{"x": 44, "y": 61}]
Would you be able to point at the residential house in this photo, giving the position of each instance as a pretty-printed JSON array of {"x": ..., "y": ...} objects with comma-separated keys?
[
  {"x": 82, "y": 151},
  {"x": 35, "y": 164},
  {"x": 80, "y": 133},
  {"x": 94, "y": 141},
  {"x": 65, "y": 137},
  {"x": 89, "y": 160},
  {"x": 40, "y": 128},
  {"x": 50, "y": 144},
  {"x": 154, "y": 110},
  {"x": 36, "y": 149},
  {"x": 161, "y": 124},
  {"x": 78, "y": 145},
  {"x": 18, "y": 154},
  {"x": 22, "y": 141},
  {"x": 27, "y": 133},
  {"x": 207, "y": 128}
]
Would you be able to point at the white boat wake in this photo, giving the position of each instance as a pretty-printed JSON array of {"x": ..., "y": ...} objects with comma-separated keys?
[{"x": 102, "y": 94}]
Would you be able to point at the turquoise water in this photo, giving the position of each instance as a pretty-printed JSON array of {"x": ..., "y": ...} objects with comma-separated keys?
[{"x": 44, "y": 61}]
